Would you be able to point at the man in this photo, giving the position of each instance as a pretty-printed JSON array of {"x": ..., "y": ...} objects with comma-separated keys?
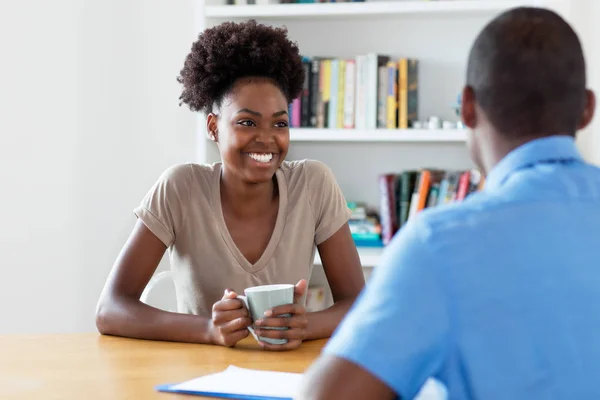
[{"x": 497, "y": 297}]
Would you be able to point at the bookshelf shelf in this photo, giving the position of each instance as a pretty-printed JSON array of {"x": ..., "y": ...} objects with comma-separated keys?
[
  {"x": 369, "y": 256},
  {"x": 377, "y": 135},
  {"x": 360, "y": 9}
]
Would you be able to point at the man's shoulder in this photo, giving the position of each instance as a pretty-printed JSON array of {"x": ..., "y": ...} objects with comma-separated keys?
[{"x": 467, "y": 217}]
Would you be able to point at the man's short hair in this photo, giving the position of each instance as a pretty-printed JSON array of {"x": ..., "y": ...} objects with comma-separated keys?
[{"x": 528, "y": 73}]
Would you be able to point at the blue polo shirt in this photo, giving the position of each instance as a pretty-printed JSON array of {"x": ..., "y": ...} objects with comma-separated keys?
[{"x": 497, "y": 297}]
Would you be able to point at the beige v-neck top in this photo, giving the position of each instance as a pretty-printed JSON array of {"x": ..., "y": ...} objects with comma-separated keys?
[{"x": 183, "y": 209}]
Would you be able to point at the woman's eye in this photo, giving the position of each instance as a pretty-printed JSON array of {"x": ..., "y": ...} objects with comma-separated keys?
[
  {"x": 246, "y": 122},
  {"x": 281, "y": 124}
]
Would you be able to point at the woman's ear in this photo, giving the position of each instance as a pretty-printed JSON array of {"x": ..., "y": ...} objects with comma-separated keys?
[{"x": 212, "y": 132}]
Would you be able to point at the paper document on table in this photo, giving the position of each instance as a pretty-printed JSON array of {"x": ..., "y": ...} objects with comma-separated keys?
[
  {"x": 249, "y": 384},
  {"x": 241, "y": 383}
]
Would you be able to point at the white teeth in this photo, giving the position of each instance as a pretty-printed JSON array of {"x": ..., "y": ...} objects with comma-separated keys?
[{"x": 261, "y": 157}]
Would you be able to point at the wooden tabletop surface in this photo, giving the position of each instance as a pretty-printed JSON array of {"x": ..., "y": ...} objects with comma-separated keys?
[{"x": 91, "y": 366}]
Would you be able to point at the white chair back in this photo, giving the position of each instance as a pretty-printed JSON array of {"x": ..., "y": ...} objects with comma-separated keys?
[{"x": 160, "y": 292}]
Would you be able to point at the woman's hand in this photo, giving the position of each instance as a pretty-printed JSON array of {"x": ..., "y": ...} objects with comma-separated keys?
[
  {"x": 296, "y": 322},
  {"x": 229, "y": 320}
]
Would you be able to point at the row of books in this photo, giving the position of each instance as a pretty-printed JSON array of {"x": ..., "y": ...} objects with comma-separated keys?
[
  {"x": 371, "y": 91},
  {"x": 404, "y": 195}
]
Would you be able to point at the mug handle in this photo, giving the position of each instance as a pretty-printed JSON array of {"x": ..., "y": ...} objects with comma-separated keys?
[{"x": 244, "y": 299}]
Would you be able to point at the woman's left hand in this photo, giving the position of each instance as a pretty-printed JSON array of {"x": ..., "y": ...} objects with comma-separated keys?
[{"x": 296, "y": 322}]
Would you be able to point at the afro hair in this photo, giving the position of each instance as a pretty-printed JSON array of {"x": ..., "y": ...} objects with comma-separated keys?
[{"x": 230, "y": 51}]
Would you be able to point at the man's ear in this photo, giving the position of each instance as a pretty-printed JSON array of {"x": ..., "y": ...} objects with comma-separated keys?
[
  {"x": 212, "y": 132},
  {"x": 467, "y": 107},
  {"x": 588, "y": 110}
]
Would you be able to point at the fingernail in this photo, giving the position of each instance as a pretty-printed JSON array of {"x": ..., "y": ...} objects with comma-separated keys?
[
  {"x": 258, "y": 322},
  {"x": 268, "y": 313}
]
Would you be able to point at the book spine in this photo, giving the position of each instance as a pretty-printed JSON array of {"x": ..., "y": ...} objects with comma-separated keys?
[
  {"x": 315, "y": 89},
  {"x": 382, "y": 91},
  {"x": 371, "y": 91},
  {"x": 339, "y": 118},
  {"x": 443, "y": 193},
  {"x": 403, "y": 93},
  {"x": 388, "y": 207},
  {"x": 463, "y": 185},
  {"x": 407, "y": 186},
  {"x": 333, "y": 93},
  {"x": 424, "y": 185},
  {"x": 392, "y": 96},
  {"x": 414, "y": 197},
  {"x": 360, "y": 120},
  {"x": 325, "y": 93},
  {"x": 296, "y": 113},
  {"x": 412, "y": 95},
  {"x": 432, "y": 198},
  {"x": 306, "y": 99},
  {"x": 349, "y": 94}
]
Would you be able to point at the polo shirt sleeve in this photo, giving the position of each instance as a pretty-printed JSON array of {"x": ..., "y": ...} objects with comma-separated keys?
[
  {"x": 398, "y": 329},
  {"x": 327, "y": 201},
  {"x": 162, "y": 209}
]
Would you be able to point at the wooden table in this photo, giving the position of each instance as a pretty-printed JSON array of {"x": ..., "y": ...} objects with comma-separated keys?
[{"x": 91, "y": 366}]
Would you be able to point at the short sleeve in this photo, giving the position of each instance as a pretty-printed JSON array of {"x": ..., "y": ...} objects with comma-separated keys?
[
  {"x": 162, "y": 210},
  {"x": 398, "y": 329},
  {"x": 327, "y": 201}
]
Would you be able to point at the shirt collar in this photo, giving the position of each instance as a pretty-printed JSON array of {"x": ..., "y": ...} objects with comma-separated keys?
[{"x": 551, "y": 148}]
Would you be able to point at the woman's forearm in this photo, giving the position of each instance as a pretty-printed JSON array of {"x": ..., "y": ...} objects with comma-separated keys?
[
  {"x": 134, "y": 319},
  {"x": 321, "y": 324}
]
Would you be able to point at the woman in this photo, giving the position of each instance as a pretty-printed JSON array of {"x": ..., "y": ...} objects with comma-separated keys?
[{"x": 252, "y": 219}]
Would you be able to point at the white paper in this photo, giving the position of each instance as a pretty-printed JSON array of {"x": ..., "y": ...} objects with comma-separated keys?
[
  {"x": 432, "y": 390},
  {"x": 249, "y": 382},
  {"x": 285, "y": 385}
]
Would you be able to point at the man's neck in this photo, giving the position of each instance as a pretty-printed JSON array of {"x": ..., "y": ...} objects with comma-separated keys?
[{"x": 497, "y": 146}]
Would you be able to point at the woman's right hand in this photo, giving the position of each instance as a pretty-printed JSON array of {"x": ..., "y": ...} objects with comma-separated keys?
[{"x": 229, "y": 320}]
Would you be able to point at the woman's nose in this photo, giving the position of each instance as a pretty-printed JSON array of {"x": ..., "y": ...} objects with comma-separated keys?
[{"x": 265, "y": 136}]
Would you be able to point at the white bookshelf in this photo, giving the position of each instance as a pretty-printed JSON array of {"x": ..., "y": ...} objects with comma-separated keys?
[
  {"x": 438, "y": 33},
  {"x": 360, "y": 9},
  {"x": 377, "y": 135}
]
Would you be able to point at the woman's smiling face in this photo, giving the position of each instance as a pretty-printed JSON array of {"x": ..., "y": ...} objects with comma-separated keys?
[{"x": 252, "y": 130}]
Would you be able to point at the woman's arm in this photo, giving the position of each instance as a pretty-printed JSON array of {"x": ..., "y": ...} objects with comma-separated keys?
[
  {"x": 344, "y": 273},
  {"x": 120, "y": 311}
]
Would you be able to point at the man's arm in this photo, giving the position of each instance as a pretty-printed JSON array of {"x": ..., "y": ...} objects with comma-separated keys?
[
  {"x": 333, "y": 378},
  {"x": 397, "y": 334}
]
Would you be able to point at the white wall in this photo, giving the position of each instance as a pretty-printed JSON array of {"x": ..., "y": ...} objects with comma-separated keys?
[
  {"x": 584, "y": 15},
  {"x": 89, "y": 118}
]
